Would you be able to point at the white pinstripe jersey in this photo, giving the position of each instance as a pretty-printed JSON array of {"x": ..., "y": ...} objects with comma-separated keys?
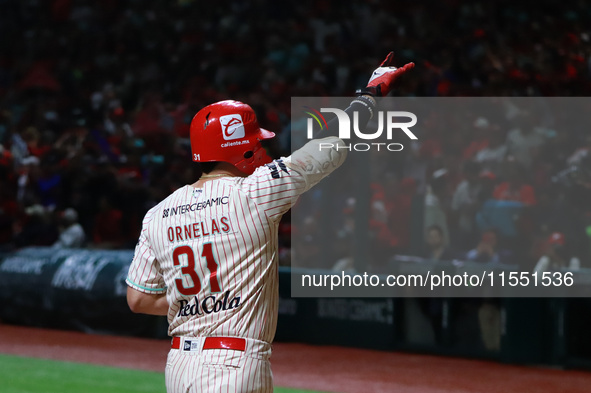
[{"x": 214, "y": 249}]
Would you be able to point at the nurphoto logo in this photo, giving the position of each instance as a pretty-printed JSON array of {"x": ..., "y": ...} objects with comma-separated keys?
[{"x": 389, "y": 122}]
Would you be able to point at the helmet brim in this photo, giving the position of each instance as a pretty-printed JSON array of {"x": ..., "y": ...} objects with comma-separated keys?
[{"x": 266, "y": 134}]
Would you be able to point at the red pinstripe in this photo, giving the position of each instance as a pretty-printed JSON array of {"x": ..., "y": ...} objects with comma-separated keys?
[{"x": 275, "y": 201}]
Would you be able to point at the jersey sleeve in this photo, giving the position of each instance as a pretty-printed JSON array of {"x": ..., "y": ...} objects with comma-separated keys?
[
  {"x": 276, "y": 186},
  {"x": 144, "y": 273}
]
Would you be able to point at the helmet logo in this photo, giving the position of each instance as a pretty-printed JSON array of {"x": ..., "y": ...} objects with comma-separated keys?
[{"x": 232, "y": 127}]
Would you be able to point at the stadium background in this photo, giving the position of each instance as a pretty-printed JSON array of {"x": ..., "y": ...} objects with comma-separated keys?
[{"x": 96, "y": 100}]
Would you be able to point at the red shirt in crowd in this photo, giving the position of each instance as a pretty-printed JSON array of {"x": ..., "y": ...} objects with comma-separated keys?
[{"x": 524, "y": 193}]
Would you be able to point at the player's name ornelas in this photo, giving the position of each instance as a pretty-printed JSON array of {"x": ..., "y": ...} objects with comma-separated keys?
[
  {"x": 191, "y": 207},
  {"x": 210, "y": 304},
  {"x": 207, "y": 227}
]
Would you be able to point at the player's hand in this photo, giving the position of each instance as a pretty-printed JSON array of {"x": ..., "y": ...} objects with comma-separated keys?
[{"x": 383, "y": 78}]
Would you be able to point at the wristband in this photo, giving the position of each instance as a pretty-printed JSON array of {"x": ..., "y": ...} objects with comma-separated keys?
[
  {"x": 367, "y": 101},
  {"x": 374, "y": 91}
]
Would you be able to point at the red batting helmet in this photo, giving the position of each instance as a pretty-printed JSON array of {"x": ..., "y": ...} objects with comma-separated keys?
[{"x": 229, "y": 131}]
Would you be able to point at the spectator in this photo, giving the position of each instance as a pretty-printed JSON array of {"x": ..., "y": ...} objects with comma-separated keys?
[
  {"x": 71, "y": 232},
  {"x": 524, "y": 142},
  {"x": 108, "y": 226},
  {"x": 8, "y": 213},
  {"x": 556, "y": 255},
  {"x": 491, "y": 157},
  {"x": 480, "y": 140},
  {"x": 391, "y": 213},
  {"x": 487, "y": 250},
  {"x": 581, "y": 154},
  {"x": 35, "y": 229},
  {"x": 488, "y": 183},
  {"x": 306, "y": 249},
  {"x": 436, "y": 249},
  {"x": 515, "y": 188},
  {"x": 465, "y": 203},
  {"x": 434, "y": 202}
]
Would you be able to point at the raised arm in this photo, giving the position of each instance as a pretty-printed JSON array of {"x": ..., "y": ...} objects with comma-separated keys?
[{"x": 380, "y": 84}]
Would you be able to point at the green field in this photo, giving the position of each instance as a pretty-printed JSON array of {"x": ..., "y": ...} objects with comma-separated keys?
[{"x": 30, "y": 375}]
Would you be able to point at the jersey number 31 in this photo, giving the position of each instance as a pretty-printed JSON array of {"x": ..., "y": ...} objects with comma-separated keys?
[{"x": 190, "y": 271}]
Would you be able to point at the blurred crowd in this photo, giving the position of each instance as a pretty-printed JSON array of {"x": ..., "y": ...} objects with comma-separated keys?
[
  {"x": 517, "y": 190},
  {"x": 513, "y": 188},
  {"x": 96, "y": 98}
]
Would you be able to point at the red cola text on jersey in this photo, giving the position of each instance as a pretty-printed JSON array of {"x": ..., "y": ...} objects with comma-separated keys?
[
  {"x": 212, "y": 226},
  {"x": 208, "y": 305}
]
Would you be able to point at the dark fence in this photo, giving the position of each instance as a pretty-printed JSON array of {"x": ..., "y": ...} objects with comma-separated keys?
[{"x": 85, "y": 290}]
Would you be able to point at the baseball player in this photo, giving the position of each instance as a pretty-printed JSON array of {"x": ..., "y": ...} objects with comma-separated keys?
[{"x": 207, "y": 254}]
